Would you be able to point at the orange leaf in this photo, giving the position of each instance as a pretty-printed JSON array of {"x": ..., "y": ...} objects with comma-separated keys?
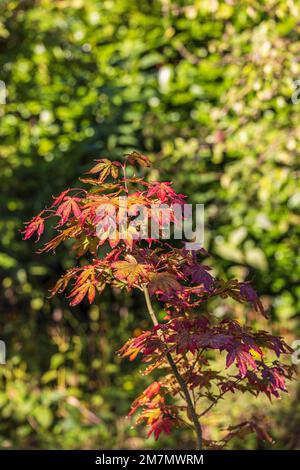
[
  {"x": 130, "y": 270},
  {"x": 105, "y": 168}
]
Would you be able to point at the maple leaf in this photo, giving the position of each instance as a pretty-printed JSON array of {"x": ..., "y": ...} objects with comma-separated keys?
[
  {"x": 146, "y": 397},
  {"x": 106, "y": 230},
  {"x": 152, "y": 390},
  {"x": 248, "y": 293},
  {"x": 184, "y": 339},
  {"x": 78, "y": 295},
  {"x": 84, "y": 285},
  {"x": 140, "y": 159},
  {"x": 194, "y": 335},
  {"x": 164, "y": 282},
  {"x": 35, "y": 225},
  {"x": 60, "y": 198},
  {"x": 63, "y": 281},
  {"x": 161, "y": 216},
  {"x": 203, "y": 379},
  {"x": 275, "y": 378},
  {"x": 272, "y": 379},
  {"x": 146, "y": 343},
  {"x": 69, "y": 232},
  {"x": 105, "y": 168},
  {"x": 162, "y": 191},
  {"x": 162, "y": 424},
  {"x": 129, "y": 350},
  {"x": 130, "y": 271},
  {"x": 85, "y": 244},
  {"x": 243, "y": 358},
  {"x": 214, "y": 341},
  {"x": 200, "y": 275},
  {"x": 68, "y": 206},
  {"x": 157, "y": 415}
]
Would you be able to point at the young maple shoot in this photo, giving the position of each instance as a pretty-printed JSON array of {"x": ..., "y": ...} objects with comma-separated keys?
[{"x": 183, "y": 342}]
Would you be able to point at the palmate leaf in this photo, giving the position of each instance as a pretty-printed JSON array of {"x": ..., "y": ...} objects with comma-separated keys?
[
  {"x": 85, "y": 285},
  {"x": 200, "y": 275},
  {"x": 86, "y": 244},
  {"x": 138, "y": 158},
  {"x": 70, "y": 232},
  {"x": 242, "y": 357},
  {"x": 162, "y": 424},
  {"x": 105, "y": 168},
  {"x": 67, "y": 207},
  {"x": 58, "y": 200},
  {"x": 88, "y": 289},
  {"x": 165, "y": 282},
  {"x": 163, "y": 191},
  {"x": 63, "y": 282},
  {"x": 35, "y": 225},
  {"x": 133, "y": 346},
  {"x": 130, "y": 270}
]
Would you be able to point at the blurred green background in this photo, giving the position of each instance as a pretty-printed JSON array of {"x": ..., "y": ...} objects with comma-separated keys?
[{"x": 205, "y": 86}]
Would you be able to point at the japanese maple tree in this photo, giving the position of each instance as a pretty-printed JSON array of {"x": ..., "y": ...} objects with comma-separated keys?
[{"x": 184, "y": 342}]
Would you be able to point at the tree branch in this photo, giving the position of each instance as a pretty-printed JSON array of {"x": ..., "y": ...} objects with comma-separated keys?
[{"x": 192, "y": 412}]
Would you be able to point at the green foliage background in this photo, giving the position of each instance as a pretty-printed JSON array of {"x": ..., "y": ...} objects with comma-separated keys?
[{"x": 206, "y": 87}]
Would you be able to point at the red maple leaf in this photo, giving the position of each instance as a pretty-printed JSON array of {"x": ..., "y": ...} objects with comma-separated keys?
[
  {"x": 243, "y": 358},
  {"x": 35, "y": 225},
  {"x": 162, "y": 424},
  {"x": 163, "y": 191},
  {"x": 68, "y": 206}
]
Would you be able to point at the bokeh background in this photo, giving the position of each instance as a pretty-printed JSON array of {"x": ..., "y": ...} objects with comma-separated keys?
[{"x": 204, "y": 88}]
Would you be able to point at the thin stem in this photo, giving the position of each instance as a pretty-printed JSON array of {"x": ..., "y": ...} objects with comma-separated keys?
[
  {"x": 216, "y": 401},
  {"x": 192, "y": 412},
  {"x": 125, "y": 178},
  {"x": 149, "y": 306}
]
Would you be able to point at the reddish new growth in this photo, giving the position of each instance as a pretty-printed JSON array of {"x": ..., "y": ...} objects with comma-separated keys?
[{"x": 175, "y": 277}]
